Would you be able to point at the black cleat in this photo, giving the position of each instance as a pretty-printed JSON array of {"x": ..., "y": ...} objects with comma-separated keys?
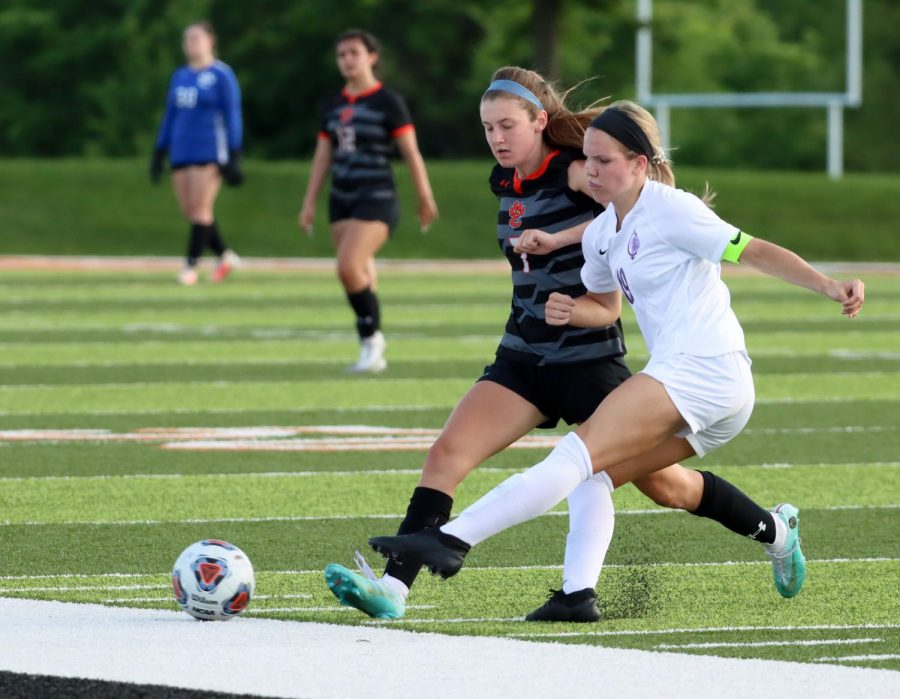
[
  {"x": 580, "y": 607},
  {"x": 441, "y": 553}
]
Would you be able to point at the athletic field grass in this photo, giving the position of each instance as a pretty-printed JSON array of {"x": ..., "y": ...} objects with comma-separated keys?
[
  {"x": 138, "y": 416},
  {"x": 109, "y": 207}
]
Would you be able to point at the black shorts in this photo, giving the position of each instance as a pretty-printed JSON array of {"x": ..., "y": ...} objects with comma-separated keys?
[
  {"x": 365, "y": 207},
  {"x": 569, "y": 392}
]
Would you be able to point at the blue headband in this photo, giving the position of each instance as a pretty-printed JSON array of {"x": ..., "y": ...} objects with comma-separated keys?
[{"x": 514, "y": 88}]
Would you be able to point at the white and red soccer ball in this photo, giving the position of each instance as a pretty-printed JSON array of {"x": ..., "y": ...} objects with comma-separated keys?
[{"x": 213, "y": 580}]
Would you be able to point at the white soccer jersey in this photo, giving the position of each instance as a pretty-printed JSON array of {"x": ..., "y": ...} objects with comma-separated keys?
[{"x": 665, "y": 259}]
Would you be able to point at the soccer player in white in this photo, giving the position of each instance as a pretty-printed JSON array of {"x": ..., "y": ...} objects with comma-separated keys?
[{"x": 661, "y": 248}]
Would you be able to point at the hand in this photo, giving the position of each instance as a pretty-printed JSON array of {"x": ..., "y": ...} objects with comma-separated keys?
[
  {"x": 231, "y": 171},
  {"x": 535, "y": 242},
  {"x": 558, "y": 309},
  {"x": 156, "y": 165},
  {"x": 850, "y": 294},
  {"x": 428, "y": 212},
  {"x": 306, "y": 218}
]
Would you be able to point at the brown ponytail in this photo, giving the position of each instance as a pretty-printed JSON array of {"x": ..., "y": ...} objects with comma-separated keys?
[{"x": 565, "y": 128}]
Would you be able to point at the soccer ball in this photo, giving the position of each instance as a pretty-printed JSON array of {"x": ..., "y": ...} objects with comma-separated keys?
[{"x": 213, "y": 580}]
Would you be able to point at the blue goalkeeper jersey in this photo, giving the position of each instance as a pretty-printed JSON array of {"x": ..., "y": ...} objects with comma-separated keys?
[{"x": 203, "y": 120}]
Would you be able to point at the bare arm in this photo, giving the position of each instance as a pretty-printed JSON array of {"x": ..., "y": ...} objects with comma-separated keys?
[
  {"x": 537, "y": 242},
  {"x": 320, "y": 164},
  {"x": 588, "y": 311},
  {"x": 409, "y": 149},
  {"x": 777, "y": 261}
]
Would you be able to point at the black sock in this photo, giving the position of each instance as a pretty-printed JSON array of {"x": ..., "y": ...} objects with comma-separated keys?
[
  {"x": 427, "y": 508},
  {"x": 196, "y": 243},
  {"x": 732, "y": 509},
  {"x": 214, "y": 239},
  {"x": 368, "y": 313}
]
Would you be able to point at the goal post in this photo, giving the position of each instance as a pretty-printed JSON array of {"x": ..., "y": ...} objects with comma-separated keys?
[{"x": 834, "y": 103}]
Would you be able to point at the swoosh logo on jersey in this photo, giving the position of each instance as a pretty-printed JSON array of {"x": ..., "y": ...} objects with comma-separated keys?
[
  {"x": 602, "y": 252},
  {"x": 736, "y": 239}
]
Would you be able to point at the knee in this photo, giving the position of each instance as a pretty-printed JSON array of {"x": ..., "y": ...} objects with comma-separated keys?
[
  {"x": 446, "y": 460},
  {"x": 352, "y": 276}
]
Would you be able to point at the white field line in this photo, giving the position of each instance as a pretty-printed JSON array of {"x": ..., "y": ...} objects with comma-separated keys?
[
  {"x": 767, "y": 644},
  {"x": 346, "y": 517},
  {"x": 394, "y": 381},
  {"x": 356, "y": 473},
  {"x": 84, "y": 588},
  {"x": 709, "y": 629},
  {"x": 859, "y": 658},
  {"x": 412, "y": 408},
  {"x": 470, "y": 569},
  {"x": 237, "y": 362},
  {"x": 165, "y": 434},
  {"x": 167, "y": 598},
  {"x": 329, "y": 609},
  {"x": 244, "y": 411}
]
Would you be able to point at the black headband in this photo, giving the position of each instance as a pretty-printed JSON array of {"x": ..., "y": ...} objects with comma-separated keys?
[{"x": 623, "y": 128}]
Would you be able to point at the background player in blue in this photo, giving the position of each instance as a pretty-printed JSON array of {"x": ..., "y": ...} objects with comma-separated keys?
[
  {"x": 543, "y": 372},
  {"x": 201, "y": 131},
  {"x": 359, "y": 128}
]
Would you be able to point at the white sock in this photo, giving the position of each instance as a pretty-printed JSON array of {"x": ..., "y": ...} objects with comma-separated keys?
[
  {"x": 591, "y": 522},
  {"x": 398, "y": 586},
  {"x": 525, "y": 495},
  {"x": 777, "y": 546}
]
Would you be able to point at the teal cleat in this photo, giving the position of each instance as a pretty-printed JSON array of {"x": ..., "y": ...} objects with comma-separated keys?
[
  {"x": 789, "y": 565},
  {"x": 364, "y": 591}
]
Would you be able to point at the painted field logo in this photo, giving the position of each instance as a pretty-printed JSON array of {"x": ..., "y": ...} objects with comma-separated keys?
[{"x": 516, "y": 212}]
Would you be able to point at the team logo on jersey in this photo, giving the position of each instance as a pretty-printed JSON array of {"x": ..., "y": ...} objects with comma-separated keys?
[
  {"x": 634, "y": 244},
  {"x": 346, "y": 115},
  {"x": 516, "y": 212},
  {"x": 206, "y": 79}
]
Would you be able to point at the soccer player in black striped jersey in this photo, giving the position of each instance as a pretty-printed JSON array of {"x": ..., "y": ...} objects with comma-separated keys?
[
  {"x": 542, "y": 372},
  {"x": 360, "y": 127}
]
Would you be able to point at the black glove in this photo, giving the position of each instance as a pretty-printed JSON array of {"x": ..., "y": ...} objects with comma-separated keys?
[
  {"x": 156, "y": 165},
  {"x": 231, "y": 171}
]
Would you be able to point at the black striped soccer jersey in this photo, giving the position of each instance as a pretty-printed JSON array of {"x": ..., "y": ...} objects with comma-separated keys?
[
  {"x": 544, "y": 201},
  {"x": 362, "y": 129}
]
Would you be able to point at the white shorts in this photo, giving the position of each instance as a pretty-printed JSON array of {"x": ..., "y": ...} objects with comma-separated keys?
[{"x": 714, "y": 395}]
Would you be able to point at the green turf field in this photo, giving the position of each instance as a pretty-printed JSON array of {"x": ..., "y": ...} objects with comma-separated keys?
[{"x": 110, "y": 371}]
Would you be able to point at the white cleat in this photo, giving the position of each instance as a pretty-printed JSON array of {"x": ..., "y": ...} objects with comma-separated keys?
[
  {"x": 371, "y": 355},
  {"x": 188, "y": 276}
]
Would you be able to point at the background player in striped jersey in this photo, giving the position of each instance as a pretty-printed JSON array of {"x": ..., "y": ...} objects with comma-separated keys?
[
  {"x": 542, "y": 372},
  {"x": 360, "y": 126},
  {"x": 201, "y": 131},
  {"x": 661, "y": 248}
]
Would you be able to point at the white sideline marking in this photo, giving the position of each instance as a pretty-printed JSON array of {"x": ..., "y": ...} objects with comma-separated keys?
[
  {"x": 859, "y": 658},
  {"x": 469, "y": 569},
  {"x": 291, "y": 659},
  {"x": 332, "y": 608},
  {"x": 416, "y": 408},
  {"x": 767, "y": 644},
  {"x": 342, "y": 518},
  {"x": 708, "y": 629},
  {"x": 168, "y": 598},
  {"x": 84, "y": 588}
]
